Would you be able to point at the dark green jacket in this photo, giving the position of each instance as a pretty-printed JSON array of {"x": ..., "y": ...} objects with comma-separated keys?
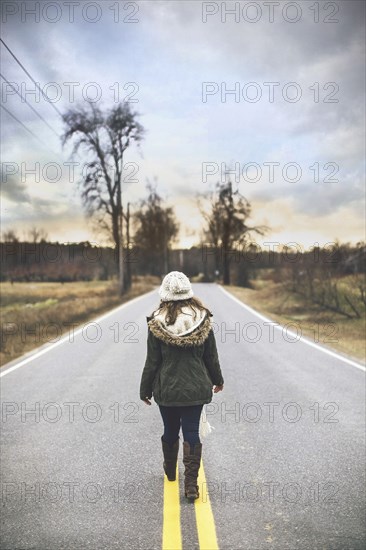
[{"x": 180, "y": 370}]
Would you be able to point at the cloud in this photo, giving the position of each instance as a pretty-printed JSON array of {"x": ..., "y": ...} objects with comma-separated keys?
[
  {"x": 168, "y": 54},
  {"x": 13, "y": 190}
]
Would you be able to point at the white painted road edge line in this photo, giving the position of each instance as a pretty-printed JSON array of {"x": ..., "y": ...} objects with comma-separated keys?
[
  {"x": 302, "y": 338},
  {"x": 77, "y": 331}
]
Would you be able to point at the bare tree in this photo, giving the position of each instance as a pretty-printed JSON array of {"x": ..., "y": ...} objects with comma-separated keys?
[
  {"x": 226, "y": 223},
  {"x": 105, "y": 138},
  {"x": 37, "y": 234},
  {"x": 156, "y": 228},
  {"x": 10, "y": 236}
]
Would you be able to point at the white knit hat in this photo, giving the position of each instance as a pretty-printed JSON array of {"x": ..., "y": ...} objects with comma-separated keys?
[{"x": 175, "y": 286}]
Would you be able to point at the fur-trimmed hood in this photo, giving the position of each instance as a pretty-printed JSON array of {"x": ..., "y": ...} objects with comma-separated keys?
[
  {"x": 182, "y": 363},
  {"x": 186, "y": 331}
]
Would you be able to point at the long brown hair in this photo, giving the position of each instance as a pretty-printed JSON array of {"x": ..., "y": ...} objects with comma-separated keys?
[{"x": 174, "y": 307}]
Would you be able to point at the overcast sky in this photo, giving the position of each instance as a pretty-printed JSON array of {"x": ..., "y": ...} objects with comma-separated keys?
[{"x": 181, "y": 57}]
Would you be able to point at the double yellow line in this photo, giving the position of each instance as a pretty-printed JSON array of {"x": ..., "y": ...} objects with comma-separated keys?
[
  {"x": 172, "y": 536},
  {"x": 172, "y": 533}
]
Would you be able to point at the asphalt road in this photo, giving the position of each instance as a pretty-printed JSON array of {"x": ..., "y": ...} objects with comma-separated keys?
[{"x": 81, "y": 455}]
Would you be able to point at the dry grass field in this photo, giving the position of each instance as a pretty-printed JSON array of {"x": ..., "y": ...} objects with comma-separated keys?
[
  {"x": 33, "y": 314},
  {"x": 329, "y": 329}
]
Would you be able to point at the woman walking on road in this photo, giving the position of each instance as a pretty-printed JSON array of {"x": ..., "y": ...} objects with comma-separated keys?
[{"x": 181, "y": 368}]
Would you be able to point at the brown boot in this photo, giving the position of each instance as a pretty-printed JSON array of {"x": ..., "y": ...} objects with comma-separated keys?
[
  {"x": 170, "y": 458},
  {"x": 191, "y": 461}
]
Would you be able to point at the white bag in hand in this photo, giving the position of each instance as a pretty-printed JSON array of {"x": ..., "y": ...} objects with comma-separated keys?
[{"x": 205, "y": 427}]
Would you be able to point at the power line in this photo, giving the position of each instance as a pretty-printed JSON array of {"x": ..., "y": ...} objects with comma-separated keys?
[
  {"x": 26, "y": 128},
  {"x": 31, "y": 77},
  {"x": 19, "y": 121},
  {"x": 29, "y": 105}
]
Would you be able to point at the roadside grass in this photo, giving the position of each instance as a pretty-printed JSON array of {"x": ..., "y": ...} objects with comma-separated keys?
[
  {"x": 329, "y": 329},
  {"x": 33, "y": 314}
]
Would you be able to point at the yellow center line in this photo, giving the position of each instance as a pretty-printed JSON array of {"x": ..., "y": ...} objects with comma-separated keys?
[
  {"x": 204, "y": 517},
  {"x": 172, "y": 537}
]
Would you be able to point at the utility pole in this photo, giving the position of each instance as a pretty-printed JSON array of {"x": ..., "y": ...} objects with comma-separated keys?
[
  {"x": 120, "y": 232},
  {"x": 165, "y": 251},
  {"x": 128, "y": 264}
]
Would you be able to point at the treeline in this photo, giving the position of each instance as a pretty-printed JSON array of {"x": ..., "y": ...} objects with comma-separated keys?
[
  {"x": 24, "y": 261},
  {"x": 54, "y": 261}
]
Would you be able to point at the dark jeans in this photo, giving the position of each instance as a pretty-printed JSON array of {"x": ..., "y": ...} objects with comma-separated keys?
[{"x": 190, "y": 418}]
